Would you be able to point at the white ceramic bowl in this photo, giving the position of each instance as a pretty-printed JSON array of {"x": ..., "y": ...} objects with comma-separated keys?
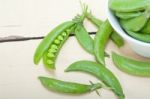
[{"x": 141, "y": 48}]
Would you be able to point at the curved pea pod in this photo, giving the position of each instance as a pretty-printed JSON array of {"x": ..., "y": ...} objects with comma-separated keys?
[
  {"x": 84, "y": 38},
  {"x": 100, "y": 41},
  {"x": 127, "y": 15},
  {"x": 53, "y": 41},
  {"x": 117, "y": 39},
  {"x": 140, "y": 36},
  {"x": 99, "y": 71},
  {"x": 135, "y": 24},
  {"x": 68, "y": 87},
  {"x": 130, "y": 66},
  {"x": 128, "y": 5},
  {"x": 146, "y": 28}
]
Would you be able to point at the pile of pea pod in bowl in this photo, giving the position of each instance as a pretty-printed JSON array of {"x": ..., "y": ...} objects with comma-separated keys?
[{"x": 131, "y": 19}]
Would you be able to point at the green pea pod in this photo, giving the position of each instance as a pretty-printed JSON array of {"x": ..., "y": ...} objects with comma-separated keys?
[
  {"x": 127, "y": 15},
  {"x": 99, "y": 71},
  {"x": 128, "y": 5},
  {"x": 117, "y": 39},
  {"x": 135, "y": 24},
  {"x": 146, "y": 29},
  {"x": 140, "y": 36},
  {"x": 50, "y": 55},
  {"x": 130, "y": 66},
  {"x": 100, "y": 41},
  {"x": 84, "y": 38},
  {"x": 49, "y": 39},
  {"x": 68, "y": 87}
]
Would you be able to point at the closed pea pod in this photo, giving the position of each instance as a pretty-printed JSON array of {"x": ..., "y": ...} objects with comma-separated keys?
[
  {"x": 139, "y": 36},
  {"x": 130, "y": 66},
  {"x": 84, "y": 38},
  {"x": 117, "y": 39},
  {"x": 44, "y": 44},
  {"x": 135, "y": 24},
  {"x": 146, "y": 29},
  {"x": 100, "y": 41},
  {"x": 68, "y": 87},
  {"x": 128, "y": 5},
  {"x": 127, "y": 15},
  {"x": 99, "y": 71}
]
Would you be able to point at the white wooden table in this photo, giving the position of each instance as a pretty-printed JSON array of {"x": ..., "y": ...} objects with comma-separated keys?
[{"x": 18, "y": 74}]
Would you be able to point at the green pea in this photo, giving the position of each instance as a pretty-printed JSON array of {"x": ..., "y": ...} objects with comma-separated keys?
[
  {"x": 63, "y": 34},
  {"x": 60, "y": 37},
  {"x": 48, "y": 40},
  {"x": 68, "y": 87},
  {"x": 100, "y": 41},
  {"x": 57, "y": 41},
  {"x": 128, "y": 5},
  {"x": 99, "y": 71},
  {"x": 50, "y": 62},
  {"x": 139, "y": 36},
  {"x": 52, "y": 50},
  {"x": 53, "y": 46},
  {"x": 135, "y": 24},
  {"x": 117, "y": 39},
  {"x": 84, "y": 38},
  {"x": 51, "y": 55},
  {"x": 127, "y": 15},
  {"x": 130, "y": 66},
  {"x": 146, "y": 29}
]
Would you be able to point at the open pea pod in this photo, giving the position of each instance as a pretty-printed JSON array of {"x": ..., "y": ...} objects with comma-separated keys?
[
  {"x": 99, "y": 71},
  {"x": 50, "y": 45},
  {"x": 128, "y": 5}
]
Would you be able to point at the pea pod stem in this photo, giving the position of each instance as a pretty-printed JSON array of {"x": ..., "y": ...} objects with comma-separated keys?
[
  {"x": 68, "y": 87},
  {"x": 99, "y": 71},
  {"x": 130, "y": 66}
]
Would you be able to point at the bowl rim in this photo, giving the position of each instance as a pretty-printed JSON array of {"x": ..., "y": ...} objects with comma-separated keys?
[{"x": 115, "y": 24}]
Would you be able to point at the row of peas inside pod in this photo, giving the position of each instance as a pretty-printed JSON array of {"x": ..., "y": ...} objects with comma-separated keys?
[{"x": 134, "y": 17}]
